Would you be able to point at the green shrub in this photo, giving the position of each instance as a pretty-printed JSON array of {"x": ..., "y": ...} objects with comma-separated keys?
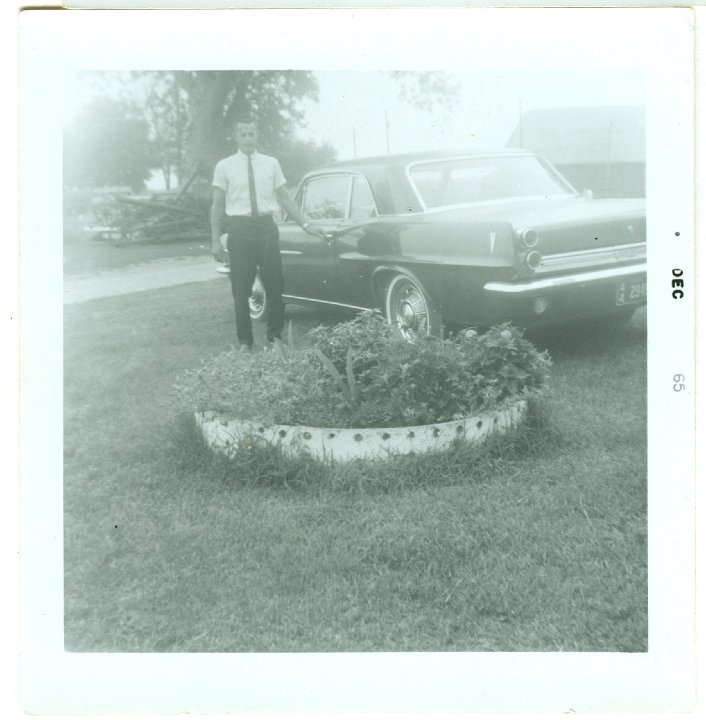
[{"x": 360, "y": 374}]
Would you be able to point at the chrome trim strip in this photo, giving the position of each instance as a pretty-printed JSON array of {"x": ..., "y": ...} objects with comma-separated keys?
[
  {"x": 325, "y": 302},
  {"x": 581, "y": 258},
  {"x": 533, "y": 286},
  {"x": 291, "y": 252},
  {"x": 487, "y": 203}
]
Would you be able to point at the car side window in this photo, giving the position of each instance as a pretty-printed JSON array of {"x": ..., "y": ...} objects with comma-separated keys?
[
  {"x": 362, "y": 201},
  {"x": 325, "y": 198}
]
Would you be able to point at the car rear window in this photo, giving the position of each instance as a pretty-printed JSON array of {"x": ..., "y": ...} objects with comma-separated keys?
[{"x": 469, "y": 180}]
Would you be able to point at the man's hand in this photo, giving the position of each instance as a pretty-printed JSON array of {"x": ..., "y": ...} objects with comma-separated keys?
[
  {"x": 219, "y": 254},
  {"x": 315, "y": 231},
  {"x": 294, "y": 213},
  {"x": 218, "y": 211}
]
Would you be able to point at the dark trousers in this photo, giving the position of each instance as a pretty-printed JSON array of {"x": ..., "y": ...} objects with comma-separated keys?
[{"x": 253, "y": 244}]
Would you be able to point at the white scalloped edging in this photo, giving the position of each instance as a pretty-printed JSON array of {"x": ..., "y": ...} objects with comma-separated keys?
[{"x": 342, "y": 444}]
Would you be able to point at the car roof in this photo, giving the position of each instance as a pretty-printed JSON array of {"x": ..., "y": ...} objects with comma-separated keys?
[
  {"x": 386, "y": 174},
  {"x": 403, "y": 159}
]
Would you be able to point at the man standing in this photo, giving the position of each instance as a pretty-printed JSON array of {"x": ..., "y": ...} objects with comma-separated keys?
[{"x": 248, "y": 189}]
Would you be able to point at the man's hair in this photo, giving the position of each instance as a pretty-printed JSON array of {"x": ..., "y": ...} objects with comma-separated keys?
[{"x": 245, "y": 120}]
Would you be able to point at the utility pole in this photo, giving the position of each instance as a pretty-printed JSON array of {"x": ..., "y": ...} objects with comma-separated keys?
[{"x": 387, "y": 131}]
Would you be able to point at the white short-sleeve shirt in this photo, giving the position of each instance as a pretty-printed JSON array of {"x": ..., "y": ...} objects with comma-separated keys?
[{"x": 231, "y": 175}]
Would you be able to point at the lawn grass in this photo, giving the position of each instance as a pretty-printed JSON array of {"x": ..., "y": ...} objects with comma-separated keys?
[{"x": 538, "y": 543}]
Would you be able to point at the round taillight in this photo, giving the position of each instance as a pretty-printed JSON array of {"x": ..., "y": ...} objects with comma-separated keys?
[
  {"x": 533, "y": 259},
  {"x": 529, "y": 238}
]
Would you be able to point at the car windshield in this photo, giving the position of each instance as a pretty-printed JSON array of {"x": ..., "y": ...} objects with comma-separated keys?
[{"x": 481, "y": 179}]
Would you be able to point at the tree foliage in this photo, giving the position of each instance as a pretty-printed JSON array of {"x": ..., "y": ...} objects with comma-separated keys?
[
  {"x": 425, "y": 90},
  {"x": 108, "y": 144},
  {"x": 300, "y": 156},
  {"x": 166, "y": 110},
  {"x": 217, "y": 98},
  {"x": 183, "y": 121}
]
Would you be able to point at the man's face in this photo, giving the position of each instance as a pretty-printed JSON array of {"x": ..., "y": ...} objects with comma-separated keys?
[{"x": 246, "y": 135}]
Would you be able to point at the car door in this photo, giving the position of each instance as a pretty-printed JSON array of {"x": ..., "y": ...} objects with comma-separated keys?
[
  {"x": 355, "y": 239},
  {"x": 308, "y": 260}
]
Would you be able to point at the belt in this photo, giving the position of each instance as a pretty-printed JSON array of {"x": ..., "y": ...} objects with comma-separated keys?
[{"x": 260, "y": 216}]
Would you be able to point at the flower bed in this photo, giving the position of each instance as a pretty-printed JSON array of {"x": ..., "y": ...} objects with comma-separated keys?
[{"x": 359, "y": 384}]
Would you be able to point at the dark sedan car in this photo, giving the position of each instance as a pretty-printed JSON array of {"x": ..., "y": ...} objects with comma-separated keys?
[{"x": 465, "y": 239}]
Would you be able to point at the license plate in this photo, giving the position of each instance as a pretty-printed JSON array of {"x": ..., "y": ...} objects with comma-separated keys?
[{"x": 631, "y": 291}]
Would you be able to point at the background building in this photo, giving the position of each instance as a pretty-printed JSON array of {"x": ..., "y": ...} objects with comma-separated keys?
[{"x": 597, "y": 148}]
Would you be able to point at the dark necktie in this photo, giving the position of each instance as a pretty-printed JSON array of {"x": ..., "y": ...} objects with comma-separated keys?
[{"x": 251, "y": 188}]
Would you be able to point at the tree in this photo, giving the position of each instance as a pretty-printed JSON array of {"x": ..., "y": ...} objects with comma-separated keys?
[
  {"x": 188, "y": 118},
  {"x": 216, "y": 98},
  {"x": 166, "y": 110},
  {"x": 425, "y": 90},
  {"x": 108, "y": 144},
  {"x": 191, "y": 114},
  {"x": 297, "y": 157}
]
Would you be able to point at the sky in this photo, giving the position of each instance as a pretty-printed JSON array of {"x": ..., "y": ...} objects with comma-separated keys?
[
  {"x": 361, "y": 113},
  {"x": 353, "y": 106}
]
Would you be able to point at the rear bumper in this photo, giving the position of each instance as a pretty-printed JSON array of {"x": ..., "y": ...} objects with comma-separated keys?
[{"x": 558, "y": 283}]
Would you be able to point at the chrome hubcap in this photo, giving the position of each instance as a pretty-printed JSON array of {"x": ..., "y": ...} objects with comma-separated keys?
[
  {"x": 256, "y": 302},
  {"x": 411, "y": 311},
  {"x": 257, "y": 298}
]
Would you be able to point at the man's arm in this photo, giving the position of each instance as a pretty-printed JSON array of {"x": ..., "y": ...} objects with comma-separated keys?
[
  {"x": 218, "y": 212},
  {"x": 293, "y": 212}
]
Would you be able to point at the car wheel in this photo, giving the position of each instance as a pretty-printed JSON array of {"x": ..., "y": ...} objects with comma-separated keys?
[
  {"x": 258, "y": 300},
  {"x": 408, "y": 308}
]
